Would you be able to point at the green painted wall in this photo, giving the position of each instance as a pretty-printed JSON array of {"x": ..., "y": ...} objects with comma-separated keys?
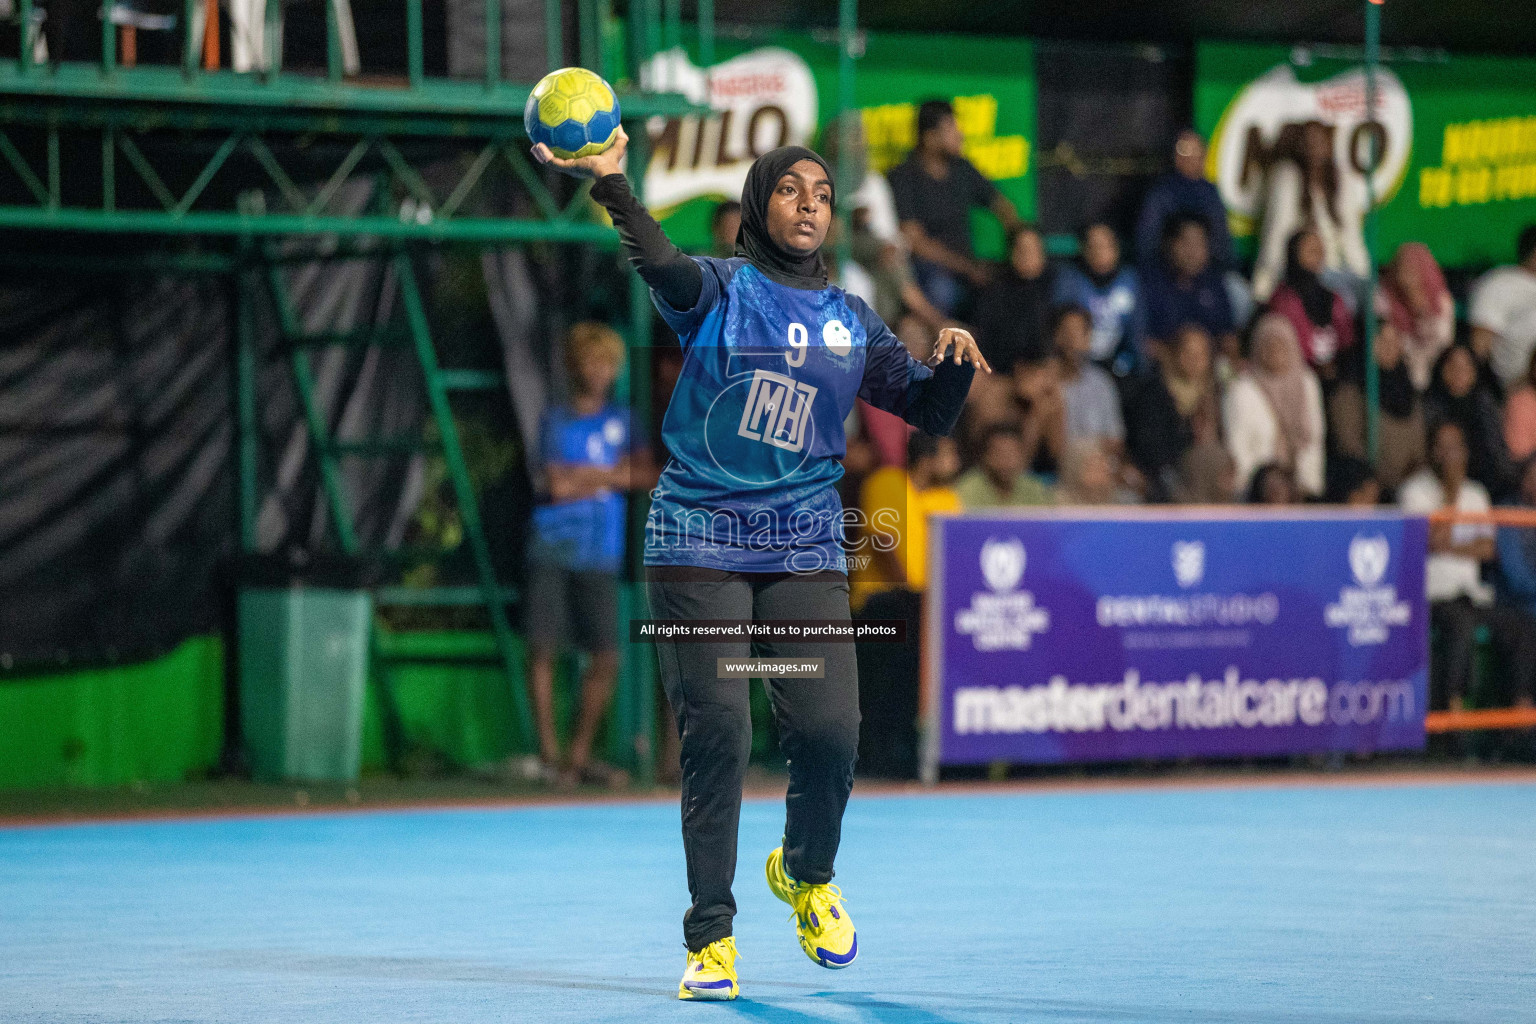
[
  {"x": 159, "y": 721},
  {"x": 162, "y": 720}
]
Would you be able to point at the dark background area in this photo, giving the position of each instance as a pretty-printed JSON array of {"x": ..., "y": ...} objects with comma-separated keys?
[{"x": 1463, "y": 25}]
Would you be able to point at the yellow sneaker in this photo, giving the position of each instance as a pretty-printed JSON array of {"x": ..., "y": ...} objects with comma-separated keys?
[
  {"x": 711, "y": 972},
  {"x": 826, "y": 931}
]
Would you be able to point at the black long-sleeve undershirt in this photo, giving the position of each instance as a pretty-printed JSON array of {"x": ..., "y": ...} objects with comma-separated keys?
[
  {"x": 934, "y": 404},
  {"x": 662, "y": 265}
]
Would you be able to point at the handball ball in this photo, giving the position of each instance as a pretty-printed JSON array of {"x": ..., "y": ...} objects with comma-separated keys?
[{"x": 573, "y": 112}]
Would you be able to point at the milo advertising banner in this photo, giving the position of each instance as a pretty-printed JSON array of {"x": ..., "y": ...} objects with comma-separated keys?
[
  {"x": 782, "y": 90},
  {"x": 1457, "y": 134}
]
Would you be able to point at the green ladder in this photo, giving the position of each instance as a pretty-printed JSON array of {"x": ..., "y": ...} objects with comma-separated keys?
[{"x": 440, "y": 384}]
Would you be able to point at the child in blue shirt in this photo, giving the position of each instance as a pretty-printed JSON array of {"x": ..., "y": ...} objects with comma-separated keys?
[{"x": 577, "y": 547}]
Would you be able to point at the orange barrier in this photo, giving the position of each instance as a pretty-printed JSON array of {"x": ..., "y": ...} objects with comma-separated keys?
[
  {"x": 1486, "y": 718},
  {"x": 1483, "y": 718},
  {"x": 1519, "y": 517}
]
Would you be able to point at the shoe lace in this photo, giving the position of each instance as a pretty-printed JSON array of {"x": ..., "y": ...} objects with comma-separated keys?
[
  {"x": 819, "y": 900},
  {"x": 715, "y": 955}
]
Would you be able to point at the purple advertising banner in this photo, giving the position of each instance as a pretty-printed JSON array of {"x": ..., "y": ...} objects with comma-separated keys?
[{"x": 1075, "y": 637}]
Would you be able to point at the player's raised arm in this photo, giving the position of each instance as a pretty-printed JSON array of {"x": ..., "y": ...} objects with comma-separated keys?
[{"x": 666, "y": 268}]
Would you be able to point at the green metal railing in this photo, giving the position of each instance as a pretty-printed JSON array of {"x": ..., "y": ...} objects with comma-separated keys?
[
  {"x": 281, "y": 144},
  {"x": 180, "y": 150},
  {"x": 103, "y": 115}
]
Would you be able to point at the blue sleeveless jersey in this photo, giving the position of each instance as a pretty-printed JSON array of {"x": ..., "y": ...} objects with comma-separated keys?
[{"x": 755, "y": 425}]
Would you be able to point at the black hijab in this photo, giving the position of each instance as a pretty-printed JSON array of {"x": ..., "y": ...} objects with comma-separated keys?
[
  {"x": 1395, "y": 388},
  {"x": 1013, "y": 316},
  {"x": 786, "y": 267},
  {"x": 1477, "y": 412},
  {"x": 1315, "y": 296}
]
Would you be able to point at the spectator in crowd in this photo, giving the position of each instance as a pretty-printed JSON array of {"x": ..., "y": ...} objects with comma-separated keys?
[
  {"x": 1273, "y": 411},
  {"x": 1089, "y": 399},
  {"x": 1272, "y": 484},
  {"x": 1184, "y": 192},
  {"x": 887, "y": 434},
  {"x": 1111, "y": 294},
  {"x": 1400, "y": 420},
  {"x": 1039, "y": 398},
  {"x": 1502, "y": 312},
  {"x": 1517, "y": 560},
  {"x": 1520, "y": 416},
  {"x": 1171, "y": 410},
  {"x": 936, "y": 188},
  {"x": 576, "y": 550},
  {"x": 850, "y": 275},
  {"x": 896, "y": 505},
  {"x": 1351, "y": 481},
  {"x": 1415, "y": 300},
  {"x": 1001, "y": 477},
  {"x": 1185, "y": 289},
  {"x": 1456, "y": 394},
  {"x": 876, "y": 243},
  {"x": 724, "y": 223},
  {"x": 1207, "y": 476},
  {"x": 1459, "y": 600},
  {"x": 1304, "y": 187},
  {"x": 861, "y": 457},
  {"x": 1090, "y": 475},
  {"x": 1320, "y": 316},
  {"x": 1013, "y": 312},
  {"x": 897, "y": 298},
  {"x": 860, "y": 189}
]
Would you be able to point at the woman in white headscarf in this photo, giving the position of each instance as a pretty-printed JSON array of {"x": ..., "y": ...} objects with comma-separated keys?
[
  {"x": 1305, "y": 189},
  {"x": 1274, "y": 409}
]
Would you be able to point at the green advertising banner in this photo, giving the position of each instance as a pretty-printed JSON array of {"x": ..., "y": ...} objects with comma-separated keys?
[
  {"x": 782, "y": 89},
  {"x": 1458, "y": 134}
]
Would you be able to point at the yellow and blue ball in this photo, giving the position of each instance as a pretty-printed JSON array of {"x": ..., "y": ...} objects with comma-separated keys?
[{"x": 573, "y": 112}]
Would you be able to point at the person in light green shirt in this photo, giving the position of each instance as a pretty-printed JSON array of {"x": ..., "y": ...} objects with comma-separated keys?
[{"x": 999, "y": 479}]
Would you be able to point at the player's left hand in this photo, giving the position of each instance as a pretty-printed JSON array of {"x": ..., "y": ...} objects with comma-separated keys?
[
  {"x": 956, "y": 343},
  {"x": 598, "y": 165}
]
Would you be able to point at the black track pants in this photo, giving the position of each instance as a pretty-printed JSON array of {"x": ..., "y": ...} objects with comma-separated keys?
[{"x": 818, "y": 723}]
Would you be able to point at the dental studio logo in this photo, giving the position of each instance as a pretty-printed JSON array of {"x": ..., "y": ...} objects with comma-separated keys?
[
  {"x": 1369, "y": 609},
  {"x": 1007, "y": 618},
  {"x": 1188, "y": 562},
  {"x": 1188, "y": 608}
]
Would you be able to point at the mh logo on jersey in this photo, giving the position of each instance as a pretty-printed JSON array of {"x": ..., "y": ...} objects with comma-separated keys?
[{"x": 778, "y": 411}]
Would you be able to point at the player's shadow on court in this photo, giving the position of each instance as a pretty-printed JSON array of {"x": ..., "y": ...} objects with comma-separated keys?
[
  {"x": 870, "y": 1008},
  {"x": 659, "y": 992}
]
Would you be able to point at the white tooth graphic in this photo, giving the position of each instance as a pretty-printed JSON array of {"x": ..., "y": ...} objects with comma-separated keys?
[{"x": 1253, "y": 121}]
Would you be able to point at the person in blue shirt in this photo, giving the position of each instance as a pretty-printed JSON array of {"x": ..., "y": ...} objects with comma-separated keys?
[
  {"x": 576, "y": 549},
  {"x": 1184, "y": 191},
  {"x": 1517, "y": 570},
  {"x": 1183, "y": 288},
  {"x": 746, "y": 526},
  {"x": 1111, "y": 293}
]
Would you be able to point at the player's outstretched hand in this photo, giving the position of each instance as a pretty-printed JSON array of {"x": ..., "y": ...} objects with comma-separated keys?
[
  {"x": 598, "y": 165},
  {"x": 956, "y": 343}
]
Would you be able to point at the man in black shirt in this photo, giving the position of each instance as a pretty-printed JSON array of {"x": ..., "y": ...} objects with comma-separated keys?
[{"x": 935, "y": 189}]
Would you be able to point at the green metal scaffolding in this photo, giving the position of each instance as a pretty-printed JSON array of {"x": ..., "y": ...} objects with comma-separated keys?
[{"x": 243, "y": 161}]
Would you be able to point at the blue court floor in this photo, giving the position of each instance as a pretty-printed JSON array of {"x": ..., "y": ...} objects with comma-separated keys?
[{"x": 1265, "y": 906}]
